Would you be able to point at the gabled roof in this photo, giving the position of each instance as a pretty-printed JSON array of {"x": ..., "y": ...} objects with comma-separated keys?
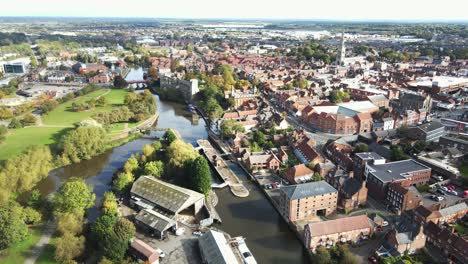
[
  {"x": 453, "y": 209},
  {"x": 308, "y": 190},
  {"x": 168, "y": 196},
  {"x": 215, "y": 248},
  {"x": 340, "y": 225}
]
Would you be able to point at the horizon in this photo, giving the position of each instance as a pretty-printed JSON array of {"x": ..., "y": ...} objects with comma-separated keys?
[{"x": 332, "y": 10}]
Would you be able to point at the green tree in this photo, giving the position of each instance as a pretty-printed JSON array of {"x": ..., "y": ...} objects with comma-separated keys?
[
  {"x": 69, "y": 247},
  {"x": 5, "y": 113},
  {"x": 123, "y": 181},
  {"x": 361, "y": 148},
  {"x": 337, "y": 96},
  {"x": 73, "y": 195},
  {"x": 179, "y": 153},
  {"x": 170, "y": 136},
  {"x": 48, "y": 106},
  {"x": 120, "y": 82},
  {"x": 15, "y": 123},
  {"x": 83, "y": 143},
  {"x": 148, "y": 152},
  {"x": 157, "y": 145},
  {"x": 212, "y": 108},
  {"x": 31, "y": 216},
  {"x": 12, "y": 227},
  {"x": 229, "y": 127},
  {"x": 154, "y": 168},
  {"x": 70, "y": 222},
  {"x": 29, "y": 120},
  {"x": 397, "y": 153},
  {"x": 201, "y": 175},
  {"x": 131, "y": 165},
  {"x": 322, "y": 256},
  {"x": 3, "y": 132},
  {"x": 109, "y": 204}
]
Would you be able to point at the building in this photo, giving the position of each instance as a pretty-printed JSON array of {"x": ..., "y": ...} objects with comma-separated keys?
[
  {"x": 329, "y": 233},
  {"x": 143, "y": 252},
  {"x": 452, "y": 246},
  {"x": 339, "y": 152},
  {"x": 409, "y": 172},
  {"x": 406, "y": 237},
  {"x": 403, "y": 198},
  {"x": 161, "y": 202},
  {"x": 298, "y": 174},
  {"x": 352, "y": 192},
  {"x": 14, "y": 67},
  {"x": 305, "y": 201},
  {"x": 306, "y": 152},
  {"x": 215, "y": 249},
  {"x": 424, "y": 215},
  {"x": 341, "y": 54},
  {"x": 412, "y": 101},
  {"x": 460, "y": 142},
  {"x": 187, "y": 89},
  {"x": 100, "y": 78},
  {"x": 428, "y": 132},
  {"x": 268, "y": 162},
  {"x": 361, "y": 159}
]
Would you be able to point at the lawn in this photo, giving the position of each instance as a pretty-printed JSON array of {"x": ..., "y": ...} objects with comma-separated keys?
[
  {"x": 64, "y": 116},
  {"x": 19, "y": 252},
  {"x": 19, "y": 139},
  {"x": 464, "y": 169},
  {"x": 47, "y": 254}
]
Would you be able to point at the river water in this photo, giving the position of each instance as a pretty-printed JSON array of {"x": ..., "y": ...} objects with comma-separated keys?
[{"x": 268, "y": 236}]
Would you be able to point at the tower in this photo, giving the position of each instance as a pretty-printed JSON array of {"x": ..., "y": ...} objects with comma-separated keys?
[{"x": 340, "y": 56}]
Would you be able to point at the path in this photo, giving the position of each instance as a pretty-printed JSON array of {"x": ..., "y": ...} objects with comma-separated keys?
[{"x": 39, "y": 247}]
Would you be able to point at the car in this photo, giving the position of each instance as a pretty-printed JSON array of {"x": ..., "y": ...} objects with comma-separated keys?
[
  {"x": 433, "y": 197},
  {"x": 443, "y": 188},
  {"x": 453, "y": 192},
  {"x": 441, "y": 191},
  {"x": 439, "y": 198},
  {"x": 273, "y": 186},
  {"x": 384, "y": 223},
  {"x": 372, "y": 259},
  {"x": 438, "y": 178},
  {"x": 197, "y": 233},
  {"x": 161, "y": 253},
  {"x": 451, "y": 187}
]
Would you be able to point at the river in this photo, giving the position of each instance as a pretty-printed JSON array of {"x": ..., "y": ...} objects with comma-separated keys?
[{"x": 268, "y": 236}]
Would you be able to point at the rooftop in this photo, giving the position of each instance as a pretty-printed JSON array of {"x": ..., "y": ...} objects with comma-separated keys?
[
  {"x": 396, "y": 170},
  {"x": 340, "y": 225},
  {"x": 215, "y": 248},
  {"x": 308, "y": 189}
]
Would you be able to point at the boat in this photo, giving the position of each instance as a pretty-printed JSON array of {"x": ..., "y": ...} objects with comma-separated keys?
[
  {"x": 192, "y": 109},
  {"x": 247, "y": 256}
]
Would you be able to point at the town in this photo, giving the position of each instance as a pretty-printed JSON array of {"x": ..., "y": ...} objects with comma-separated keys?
[{"x": 233, "y": 142}]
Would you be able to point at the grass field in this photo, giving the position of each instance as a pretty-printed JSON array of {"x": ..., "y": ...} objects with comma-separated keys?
[
  {"x": 64, "y": 116},
  {"x": 19, "y": 252},
  {"x": 47, "y": 255},
  {"x": 21, "y": 138}
]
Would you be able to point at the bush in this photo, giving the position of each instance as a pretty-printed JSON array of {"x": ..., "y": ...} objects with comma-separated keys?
[
  {"x": 29, "y": 120},
  {"x": 31, "y": 216}
]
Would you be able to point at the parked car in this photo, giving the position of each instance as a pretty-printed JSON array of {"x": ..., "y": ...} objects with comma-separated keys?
[
  {"x": 451, "y": 187},
  {"x": 465, "y": 193},
  {"x": 453, "y": 192},
  {"x": 443, "y": 188},
  {"x": 439, "y": 198},
  {"x": 441, "y": 191},
  {"x": 384, "y": 223},
  {"x": 438, "y": 178},
  {"x": 273, "y": 186},
  {"x": 372, "y": 259},
  {"x": 197, "y": 233},
  {"x": 161, "y": 253}
]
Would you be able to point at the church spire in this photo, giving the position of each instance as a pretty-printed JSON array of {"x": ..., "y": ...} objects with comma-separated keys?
[{"x": 340, "y": 56}]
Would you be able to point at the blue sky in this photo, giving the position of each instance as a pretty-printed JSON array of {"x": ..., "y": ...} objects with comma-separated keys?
[{"x": 445, "y": 10}]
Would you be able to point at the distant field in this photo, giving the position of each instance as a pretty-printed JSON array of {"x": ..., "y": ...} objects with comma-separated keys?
[
  {"x": 64, "y": 116},
  {"x": 20, "y": 139}
]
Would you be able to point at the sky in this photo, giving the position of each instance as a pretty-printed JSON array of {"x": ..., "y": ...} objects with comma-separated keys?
[{"x": 427, "y": 10}]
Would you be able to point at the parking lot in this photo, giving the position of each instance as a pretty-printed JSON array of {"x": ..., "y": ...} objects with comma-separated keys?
[{"x": 448, "y": 199}]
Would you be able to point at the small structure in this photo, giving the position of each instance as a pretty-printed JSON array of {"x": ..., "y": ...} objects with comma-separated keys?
[
  {"x": 155, "y": 223},
  {"x": 143, "y": 252},
  {"x": 215, "y": 249}
]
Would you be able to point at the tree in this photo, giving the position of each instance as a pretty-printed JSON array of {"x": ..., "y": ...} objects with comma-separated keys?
[
  {"x": 157, "y": 145},
  {"x": 73, "y": 195},
  {"x": 337, "y": 96},
  {"x": 5, "y": 113},
  {"x": 229, "y": 127},
  {"x": 123, "y": 181},
  {"x": 12, "y": 227},
  {"x": 212, "y": 108},
  {"x": 48, "y": 106},
  {"x": 361, "y": 148},
  {"x": 101, "y": 101},
  {"x": 154, "y": 168},
  {"x": 29, "y": 120},
  {"x": 120, "y": 82},
  {"x": 148, "y": 152},
  {"x": 70, "y": 222},
  {"x": 31, "y": 216},
  {"x": 83, "y": 143},
  {"x": 322, "y": 256},
  {"x": 153, "y": 72},
  {"x": 15, "y": 123},
  {"x": 109, "y": 204},
  {"x": 170, "y": 136},
  {"x": 35, "y": 200},
  {"x": 179, "y": 153},
  {"x": 69, "y": 247},
  {"x": 397, "y": 153},
  {"x": 3, "y": 132},
  {"x": 201, "y": 175},
  {"x": 131, "y": 165}
]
